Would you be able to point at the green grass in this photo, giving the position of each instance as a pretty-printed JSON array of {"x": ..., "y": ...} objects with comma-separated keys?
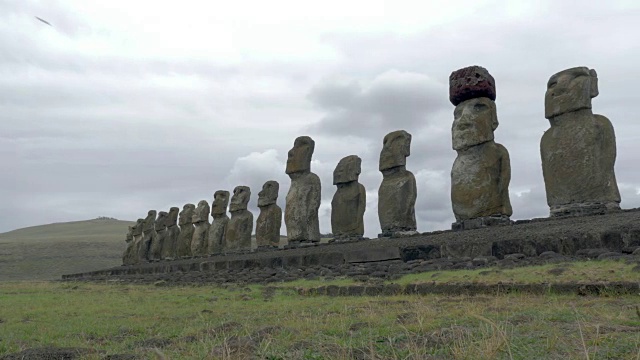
[{"x": 187, "y": 322}]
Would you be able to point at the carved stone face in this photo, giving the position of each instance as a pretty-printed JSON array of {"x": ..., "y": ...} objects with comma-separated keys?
[
  {"x": 201, "y": 213},
  {"x": 186, "y": 214},
  {"x": 161, "y": 221},
  {"x": 173, "y": 216},
  {"x": 474, "y": 121},
  {"x": 240, "y": 198},
  {"x": 570, "y": 90},
  {"x": 395, "y": 149},
  {"x": 299, "y": 157},
  {"x": 220, "y": 203},
  {"x": 129, "y": 234},
  {"x": 348, "y": 170},
  {"x": 137, "y": 228},
  {"x": 269, "y": 193}
]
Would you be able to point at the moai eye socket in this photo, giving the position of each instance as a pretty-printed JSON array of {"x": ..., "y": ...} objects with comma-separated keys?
[{"x": 479, "y": 107}]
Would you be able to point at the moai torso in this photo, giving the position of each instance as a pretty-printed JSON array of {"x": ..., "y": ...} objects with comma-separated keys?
[
  {"x": 269, "y": 220},
  {"x": 200, "y": 219},
  {"x": 240, "y": 226},
  {"x": 397, "y": 193},
  {"x": 158, "y": 242},
  {"x": 481, "y": 173},
  {"x": 148, "y": 235},
  {"x": 218, "y": 227},
  {"x": 578, "y": 151},
  {"x": 303, "y": 198},
  {"x": 137, "y": 241},
  {"x": 172, "y": 233},
  {"x": 183, "y": 244},
  {"x": 349, "y": 201},
  {"x": 126, "y": 256}
]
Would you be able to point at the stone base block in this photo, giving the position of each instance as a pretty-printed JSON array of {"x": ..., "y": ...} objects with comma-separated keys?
[
  {"x": 582, "y": 209},
  {"x": 481, "y": 222},
  {"x": 398, "y": 234}
]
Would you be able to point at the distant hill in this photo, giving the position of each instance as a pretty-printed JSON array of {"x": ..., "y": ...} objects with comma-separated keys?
[{"x": 46, "y": 252}]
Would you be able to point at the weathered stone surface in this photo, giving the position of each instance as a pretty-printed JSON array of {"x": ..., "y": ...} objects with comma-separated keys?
[
  {"x": 148, "y": 235},
  {"x": 481, "y": 173},
  {"x": 127, "y": 255},
  {"x": 579, "y": 149},
  {"x": 270, "y": 219},
  {"x": 183, "y": 244},
  {"x": 397, "y": 193},
  {"x": 137, "y": 241},
  {"x": 155, "y": 252},
  {"x": 349, "y": 201},
  {"x": 240, "y": 226},
  {"x": 303, "y": 198},
  {"x": 200, "y": 219},
  {"x": 471, "y": 82},
  {"x": 220, "y": 222},
  {"x": 170, "y": 242}
]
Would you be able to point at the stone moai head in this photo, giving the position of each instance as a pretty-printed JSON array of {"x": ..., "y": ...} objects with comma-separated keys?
[
  {"x": 347, "y": 170},
  {"x": 269, "y": 193},
  {"x": 161, "y": 221},
  {"x": 201, "y": 213},
  {"x": 473, "y": 91},
  {"x": 173, "y": 216},
  {"x": 137, "y": 228},
  {"x": 186, "y": 214},
  {"x": 240, "y": 198},
  {"x": 129, "y": 234},
  {"x": 570, "y": 90},
  {"x": 299, "y": 157},
  {"x": 220, "y": 203},
  {"x": 395, "y": 149}
]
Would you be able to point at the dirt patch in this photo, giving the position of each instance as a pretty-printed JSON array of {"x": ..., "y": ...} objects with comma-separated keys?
[
  {"x": 557, "y": 271},
  {"x": 607, "y": 329},
  {"x": 50, "y": 353}
]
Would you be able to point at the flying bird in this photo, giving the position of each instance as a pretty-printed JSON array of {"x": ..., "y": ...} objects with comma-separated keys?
[{"x": 44, "y": 21}]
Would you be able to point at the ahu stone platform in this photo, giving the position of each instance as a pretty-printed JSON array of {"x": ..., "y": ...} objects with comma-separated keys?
[{"x": 616, "y": 232}]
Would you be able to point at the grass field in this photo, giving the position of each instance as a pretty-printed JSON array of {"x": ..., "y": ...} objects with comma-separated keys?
[
  {"x": 46, "y": 252},
  {"x": 240, "y": 322}
]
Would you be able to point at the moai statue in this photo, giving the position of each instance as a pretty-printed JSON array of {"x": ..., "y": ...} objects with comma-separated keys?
[
  {"x": 270, "y": 218},
  {"x": 148, "y": 236},
  {"x": 155, "y": 252},
  {"x": 200, "y": 219},
  {"x": 303, "y": 198},
  {"x": 481, "y": 172},
  {"x": 173, "y": 232},
  {"x": 218, "y": 227},
  {"x": 238, "y": 234},
  {"x": 579, "y": 149},
  {"x": 137, "y": 241},
  {"x": 183, "y": 245},
  {"x": 126, "y": 256},
  {"x": 349, "y": 201},
  {"x": 398, "y": 192}
]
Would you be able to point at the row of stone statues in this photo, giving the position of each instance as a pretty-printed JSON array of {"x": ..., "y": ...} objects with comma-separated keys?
[{"x": 578, "y": 156}]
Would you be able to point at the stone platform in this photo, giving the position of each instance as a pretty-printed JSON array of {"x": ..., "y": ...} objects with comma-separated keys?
[{"x": 617, "y": 232}]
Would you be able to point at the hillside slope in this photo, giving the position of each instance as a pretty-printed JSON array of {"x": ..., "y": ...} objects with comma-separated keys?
[{"x": 47, "y": 251}]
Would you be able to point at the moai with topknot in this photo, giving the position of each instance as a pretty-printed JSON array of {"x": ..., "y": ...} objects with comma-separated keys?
[{"x": 482, "y": 171}]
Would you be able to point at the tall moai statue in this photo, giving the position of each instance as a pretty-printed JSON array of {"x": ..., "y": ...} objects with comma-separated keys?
[
  {"x": 270, "y": 219},
  {"x": 238, "y": 234},
  {"x": 398, "y": 192},
  {"x": 183, "y": 245},
  {"x": 137, "y": 241},
  {"x": 579, "y": 149},
  {"x": 126, "y": 256},
  {"x": 148, "y": 236},
  {"x": 173, "y": 232},
  {"x": 200, "y": 238},
  {"x": 218, "y": 227},
  {"x": 155, "y": 252},
  {"x": 349, "y": 201},
  {"x": 481, "y": 173},
  {"x": 303, "y": 198}
]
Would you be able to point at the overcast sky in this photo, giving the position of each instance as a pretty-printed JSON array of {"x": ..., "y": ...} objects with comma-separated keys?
[{"x": 127, "y": 106}]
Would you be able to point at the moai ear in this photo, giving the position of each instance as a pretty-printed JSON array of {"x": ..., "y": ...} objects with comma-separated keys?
[{"x": 594, "y": 83}]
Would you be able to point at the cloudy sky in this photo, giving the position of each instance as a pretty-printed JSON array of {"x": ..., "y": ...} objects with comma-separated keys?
[{"x": 124, "y": 106}]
